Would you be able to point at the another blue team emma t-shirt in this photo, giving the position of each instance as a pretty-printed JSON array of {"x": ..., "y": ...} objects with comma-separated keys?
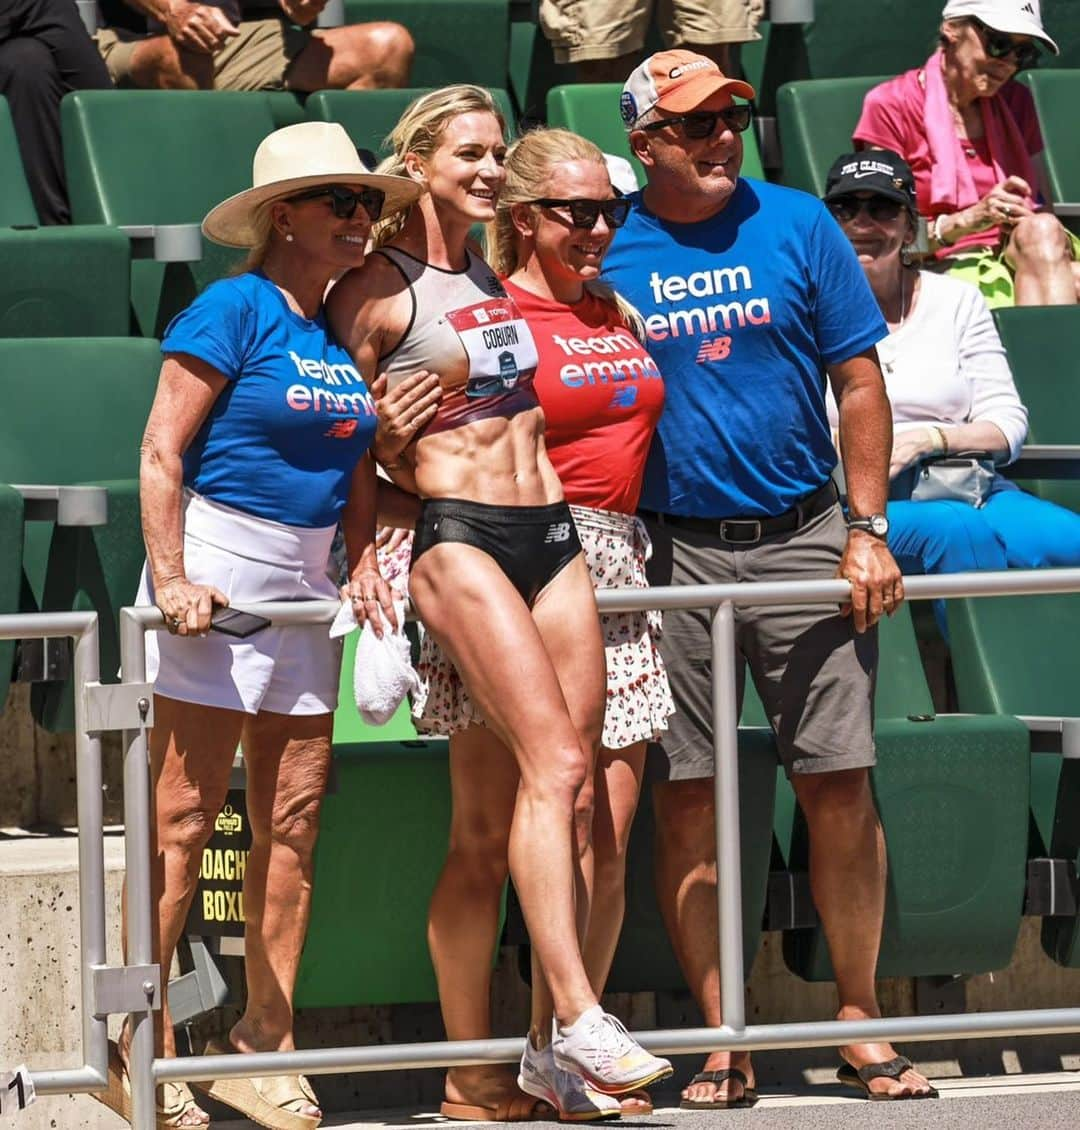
[
  {"x": 283, "y": 438},
  {"x": 743, "y": 312}
]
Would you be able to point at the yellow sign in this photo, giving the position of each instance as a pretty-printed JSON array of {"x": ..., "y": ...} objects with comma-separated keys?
[
  {"x": 223, "y": 863},
  {"x": 223, "y": 906}
]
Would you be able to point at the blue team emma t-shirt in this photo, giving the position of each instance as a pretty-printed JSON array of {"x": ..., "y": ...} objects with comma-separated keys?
[
  {"x": 283, "y": 438},
  {"x": 743, "y": 311}
]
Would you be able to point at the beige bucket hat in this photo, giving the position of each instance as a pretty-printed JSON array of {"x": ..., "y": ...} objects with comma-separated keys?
[{"x": 292, "y": 159}]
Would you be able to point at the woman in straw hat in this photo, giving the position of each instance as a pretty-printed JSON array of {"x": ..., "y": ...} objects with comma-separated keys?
[
  {"x": 498, "y": 575},
  {"x": 256, "y": 447}
]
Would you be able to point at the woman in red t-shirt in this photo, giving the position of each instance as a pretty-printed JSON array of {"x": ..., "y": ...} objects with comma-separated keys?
[
  {"x": 602, "y": 395},
  {"x": 972, "y": 139}
]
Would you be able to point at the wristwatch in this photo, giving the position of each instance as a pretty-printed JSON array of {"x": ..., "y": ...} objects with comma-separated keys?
[{"x": 876, "y": 524}]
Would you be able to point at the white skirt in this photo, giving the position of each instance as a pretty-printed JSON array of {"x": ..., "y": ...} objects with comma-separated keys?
[{"x": 293, "y": 670}]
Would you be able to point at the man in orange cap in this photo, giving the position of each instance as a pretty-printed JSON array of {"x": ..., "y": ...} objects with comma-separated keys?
[{"x": 750, "y": 294}]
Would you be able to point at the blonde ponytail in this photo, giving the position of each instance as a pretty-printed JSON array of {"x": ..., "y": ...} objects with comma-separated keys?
[{"x": 529, "y": 165}]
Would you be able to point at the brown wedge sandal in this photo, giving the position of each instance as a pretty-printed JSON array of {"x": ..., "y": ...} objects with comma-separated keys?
[
  {"x": 515, "y": 1108},
  {"x": 178, "y": 1103},
  {"x": 274, "y": 1101}
]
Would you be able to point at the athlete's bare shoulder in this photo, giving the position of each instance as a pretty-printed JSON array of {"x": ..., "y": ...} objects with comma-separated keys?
[{"x": 370, "y": 302}]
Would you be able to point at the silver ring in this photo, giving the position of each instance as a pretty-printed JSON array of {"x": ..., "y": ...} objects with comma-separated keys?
[{"x": 1006, "y": 209}]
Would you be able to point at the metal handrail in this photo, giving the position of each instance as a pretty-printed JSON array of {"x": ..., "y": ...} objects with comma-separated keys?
[
  {"x": 734, "y": 1033},
  {"x": 82, "y": 627}
]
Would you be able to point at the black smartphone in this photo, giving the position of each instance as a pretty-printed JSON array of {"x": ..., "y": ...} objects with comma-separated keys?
[{"x": 233, "y": 622}]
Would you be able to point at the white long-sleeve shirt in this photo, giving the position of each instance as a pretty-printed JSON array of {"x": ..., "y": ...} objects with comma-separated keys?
[{"x": 946, "y": 364}]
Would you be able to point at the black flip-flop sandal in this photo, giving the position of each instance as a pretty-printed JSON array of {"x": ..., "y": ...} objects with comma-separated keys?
[
  {"x": 860, "y": 1077},
  {"x": 746, "y": 1099}
]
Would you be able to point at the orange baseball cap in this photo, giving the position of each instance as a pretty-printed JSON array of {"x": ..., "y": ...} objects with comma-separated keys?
[{"x": 679, "y": 81}]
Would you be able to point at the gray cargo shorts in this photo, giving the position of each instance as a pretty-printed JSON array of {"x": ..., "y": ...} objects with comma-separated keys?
[{"x": 813, "y": 672}]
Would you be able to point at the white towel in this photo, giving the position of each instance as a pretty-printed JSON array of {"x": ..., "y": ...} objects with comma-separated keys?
[{"x": 382, "y": 673}]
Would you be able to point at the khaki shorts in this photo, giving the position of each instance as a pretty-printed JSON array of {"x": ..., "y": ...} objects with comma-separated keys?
[
  {"x": 257, "y": 59},
  {"x": 605, "y": 29},
  {"x": 814, "y": 673}
]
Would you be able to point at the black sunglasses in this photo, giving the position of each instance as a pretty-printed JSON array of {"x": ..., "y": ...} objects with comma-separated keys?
[
  {"x": 702, "y": 123},
  {"x": 998, "y": 45},
  {"x": 584, "y": 213},
  {"x": 881, "y": 208},
  {"x": 345, "y": 200}
]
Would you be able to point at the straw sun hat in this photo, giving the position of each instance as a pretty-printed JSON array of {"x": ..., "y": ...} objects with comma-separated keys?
[{"x": 290, "y": 160}]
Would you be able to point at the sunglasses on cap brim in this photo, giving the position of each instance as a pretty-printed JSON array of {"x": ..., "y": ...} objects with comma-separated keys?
[
  {"x": 583, "y": 213},
  {"x": 702, "y": 123},
  {"x": 880, "y": 208},
  {"x": 344, "y": 201}
]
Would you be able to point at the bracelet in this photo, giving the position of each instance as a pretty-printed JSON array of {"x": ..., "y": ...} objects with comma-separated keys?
[
  {"x": 935, "y": 231},
  {"x": 943, "y": 437}
]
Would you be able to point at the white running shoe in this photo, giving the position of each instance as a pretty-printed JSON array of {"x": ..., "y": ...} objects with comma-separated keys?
[
  {"x": 572, "y": 1099},
  {"x": 599, "y": 1049}
]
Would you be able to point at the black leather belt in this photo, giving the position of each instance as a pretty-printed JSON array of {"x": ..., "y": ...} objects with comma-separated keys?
[{"x": 749, "y": 531}]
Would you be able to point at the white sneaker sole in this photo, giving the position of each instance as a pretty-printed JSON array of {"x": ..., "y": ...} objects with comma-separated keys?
[
  {"x": 539, "y": 1091},
  {"x": 609, "y": 1087}
]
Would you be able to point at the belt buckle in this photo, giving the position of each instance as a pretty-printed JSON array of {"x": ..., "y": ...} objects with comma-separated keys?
[{"x": 727, "y": 524}]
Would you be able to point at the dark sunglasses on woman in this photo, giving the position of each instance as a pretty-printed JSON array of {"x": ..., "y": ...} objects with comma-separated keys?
[
  {"x": 880, "y": 208},
  {"x": 345, "y": 200},
  {"x": 583, "y": 213},
  {"x": 998, "y": 45},
  {"x": 702, "y": 123}
]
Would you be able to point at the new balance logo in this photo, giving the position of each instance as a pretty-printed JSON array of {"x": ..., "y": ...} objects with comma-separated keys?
[
  {"x": 717, "y": 349},
  {"x": 624, "y": 397},
  {"x": 342, "y": 429},
  {"x": 558, "y": 531}
]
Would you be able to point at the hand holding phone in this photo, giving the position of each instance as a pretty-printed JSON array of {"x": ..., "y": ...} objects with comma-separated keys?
[{"x": 233, "y": 622}]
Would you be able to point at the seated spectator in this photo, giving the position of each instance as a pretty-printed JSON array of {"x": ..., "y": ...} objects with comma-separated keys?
[
  {"x": 253, "y": 45},
  {"x": 605, "y": 39},
  {"x": 951, "y": 390},
  {"x": 45, "y": 52},
  {"x": 971, "y": 136}
]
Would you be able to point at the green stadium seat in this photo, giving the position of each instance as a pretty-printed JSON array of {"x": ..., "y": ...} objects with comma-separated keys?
[
  {"x": 1018, "y": 655},
  {"x": 71, "y": 282},
  {"x": 953, "y": 797},
  {"x": 1056, "y": 93},
  {"x": 11, "y": 536},
  {"x": 16, "y": 203},
  {"x": 816, "y": 119},
  {"x": 286, "y": 107},
  {"x": 161, "y": 157},
  {"x": 463, "y": 41},
  {"x": 370, "y": 115},
  {"x": 87, "y": 431},
  {"x": 382, "y": 842},
  {"x": 1042, "y": 343},
  {"x": 593, "y": 111},
  {"x": 533, "y": 70}
]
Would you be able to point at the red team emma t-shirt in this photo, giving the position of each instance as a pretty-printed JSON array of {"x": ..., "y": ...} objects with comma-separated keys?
[{"x": 602, "y": 395}]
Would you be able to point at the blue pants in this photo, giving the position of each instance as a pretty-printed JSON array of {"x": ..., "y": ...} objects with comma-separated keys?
[{"x": 1014, "y": 530}]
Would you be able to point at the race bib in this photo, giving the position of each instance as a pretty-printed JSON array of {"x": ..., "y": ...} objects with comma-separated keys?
[{"x": 501, "y": 351}]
